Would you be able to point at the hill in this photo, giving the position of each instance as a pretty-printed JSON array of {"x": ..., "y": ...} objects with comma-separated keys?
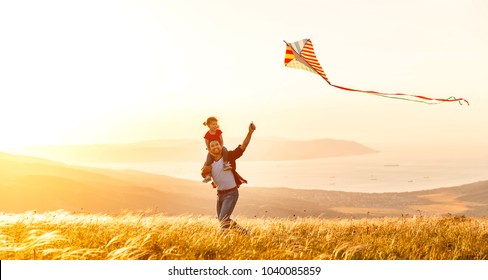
[
  {"x": 28, "y": 183},
  {"x": 186, "y": 150}
]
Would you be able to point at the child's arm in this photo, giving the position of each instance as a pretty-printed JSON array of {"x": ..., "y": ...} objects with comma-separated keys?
[
  {"x": 207, "y": 143},
  {"x": 221, "y": 140}
]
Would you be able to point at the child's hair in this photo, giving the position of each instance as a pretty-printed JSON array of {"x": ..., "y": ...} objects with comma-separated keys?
[{"x": 210, "y": 119}]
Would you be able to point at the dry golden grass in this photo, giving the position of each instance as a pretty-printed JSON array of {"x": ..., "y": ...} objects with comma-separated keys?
[{"x": 62, "y": 235}]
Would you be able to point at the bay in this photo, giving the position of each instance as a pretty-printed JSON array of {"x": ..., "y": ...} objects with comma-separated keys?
[{"x": 379, "y": 172}]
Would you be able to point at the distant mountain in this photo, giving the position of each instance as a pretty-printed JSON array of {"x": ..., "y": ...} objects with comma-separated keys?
[
  {"x": 185, "y": 150},
  {"x": 28, "y": 183},
  {"x": 282, "y": 149}
]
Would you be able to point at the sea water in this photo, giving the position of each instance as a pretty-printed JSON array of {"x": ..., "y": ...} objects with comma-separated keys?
[{"x": 379, "y": 172}]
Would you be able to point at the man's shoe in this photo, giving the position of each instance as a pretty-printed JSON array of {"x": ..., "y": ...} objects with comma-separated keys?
[{"x": 245, "y": 232}]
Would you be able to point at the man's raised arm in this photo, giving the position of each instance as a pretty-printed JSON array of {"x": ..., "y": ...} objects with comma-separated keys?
[{"x": 246, "y": 141}]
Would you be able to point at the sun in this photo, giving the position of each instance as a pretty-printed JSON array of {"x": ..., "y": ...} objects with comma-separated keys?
[{"x": 67, "y": 65}]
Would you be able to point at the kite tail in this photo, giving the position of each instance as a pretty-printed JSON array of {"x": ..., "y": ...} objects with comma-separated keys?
[
  {"x": 408, "y": 97},
  {"x": 452, "y": 98}
]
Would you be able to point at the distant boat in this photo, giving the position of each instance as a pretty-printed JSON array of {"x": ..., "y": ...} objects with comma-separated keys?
[{"x": 392, "y": 165}]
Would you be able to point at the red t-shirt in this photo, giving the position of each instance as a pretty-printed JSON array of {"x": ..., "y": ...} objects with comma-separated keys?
[{"x": 215, "y": 136}]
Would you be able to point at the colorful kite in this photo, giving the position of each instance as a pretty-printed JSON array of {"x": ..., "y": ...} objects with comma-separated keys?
[{"x": 301, "y": 55}]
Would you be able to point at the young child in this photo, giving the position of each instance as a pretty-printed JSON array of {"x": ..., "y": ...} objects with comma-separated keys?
[{"x": 214, "y": 133}]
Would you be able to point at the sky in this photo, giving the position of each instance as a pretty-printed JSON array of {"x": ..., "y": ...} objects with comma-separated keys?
[{"x": 84, "y": 72}]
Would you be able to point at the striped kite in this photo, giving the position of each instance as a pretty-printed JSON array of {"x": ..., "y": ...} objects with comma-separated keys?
[{"x": 301, "y": 55}]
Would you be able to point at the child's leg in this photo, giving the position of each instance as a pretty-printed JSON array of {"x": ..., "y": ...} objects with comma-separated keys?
[
  {"x": 207, "y": 173},
  {"x": 209, "y": 160},
  {"x": 225, "y": 154},
  {"x": 207, "y": 176}
]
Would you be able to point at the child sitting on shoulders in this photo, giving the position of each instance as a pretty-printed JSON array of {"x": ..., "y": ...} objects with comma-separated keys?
[{"x": 214, "y": 133}]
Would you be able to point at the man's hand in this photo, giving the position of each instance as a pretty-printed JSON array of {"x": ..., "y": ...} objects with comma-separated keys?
[{"x": 252, "y": 127}]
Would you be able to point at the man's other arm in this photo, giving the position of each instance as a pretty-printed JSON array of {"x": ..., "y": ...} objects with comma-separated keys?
[{"x": 246, "y": 141}]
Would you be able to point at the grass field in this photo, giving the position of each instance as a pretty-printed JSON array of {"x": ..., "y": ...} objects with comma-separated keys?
[{"x": 61, "y": 235}]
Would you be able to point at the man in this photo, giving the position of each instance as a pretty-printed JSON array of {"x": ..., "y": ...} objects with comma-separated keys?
[{"x": 228, "y": 182}]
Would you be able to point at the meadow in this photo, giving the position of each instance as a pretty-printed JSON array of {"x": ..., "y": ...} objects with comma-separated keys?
[{"x": 61, "y": 235}]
